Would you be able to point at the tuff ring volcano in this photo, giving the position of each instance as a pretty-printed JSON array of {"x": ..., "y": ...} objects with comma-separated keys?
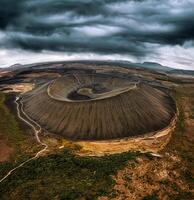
[{"x": 99, "y": 107}]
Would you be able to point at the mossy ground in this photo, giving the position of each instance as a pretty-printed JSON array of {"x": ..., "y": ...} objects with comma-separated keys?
[
  {"x": 64, "y": 176},
  {"x": 58, "y": 176}
]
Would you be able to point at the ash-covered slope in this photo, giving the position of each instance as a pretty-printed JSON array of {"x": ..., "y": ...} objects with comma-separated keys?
[{"x": 140, "y": 109}]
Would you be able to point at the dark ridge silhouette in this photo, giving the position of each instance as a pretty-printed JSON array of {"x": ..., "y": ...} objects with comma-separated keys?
[{"x": 113, "y": 108}]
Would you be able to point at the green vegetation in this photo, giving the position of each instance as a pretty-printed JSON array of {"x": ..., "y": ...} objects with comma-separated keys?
[
  {"x": 165, "y": 182},
  {"x": 182, "y": 143},
  {"x": 182, "y": 196},
  {"x": 188, "y": 175},
  {"x": 8, "y": 125},
  {"x": 180, "y": 127},
  {"x": 151, "y": 197},
  {"x": 61, "y": 176},
  {"x": 65, "y": 176},
  {"x": 192, "y": 110},
  {"x": 170, "y": 79},
  {"x": 11, "y": 132}
]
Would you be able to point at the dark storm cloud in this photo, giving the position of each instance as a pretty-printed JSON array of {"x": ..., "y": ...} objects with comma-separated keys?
[
  {"x": 9, "y": 10},
  {"x": 100, "y": 26}
]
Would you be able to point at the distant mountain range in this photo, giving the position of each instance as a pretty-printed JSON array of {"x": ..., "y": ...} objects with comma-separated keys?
[
  {"x": 158, "y": 67},
  {"x": 146, "y": 65}
]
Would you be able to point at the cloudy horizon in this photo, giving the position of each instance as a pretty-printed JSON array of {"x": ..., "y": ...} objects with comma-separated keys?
[{"x": 159, "y": 31}]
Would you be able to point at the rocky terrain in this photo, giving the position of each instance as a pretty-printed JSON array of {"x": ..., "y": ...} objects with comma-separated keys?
[{"x": 68, "y": 169}]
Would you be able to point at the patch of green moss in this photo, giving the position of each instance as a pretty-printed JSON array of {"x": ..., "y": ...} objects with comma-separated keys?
[
  {"x": 65, "y": 176},
  {"x": 151, "y": 197},
  {"x": 14, "y": 137},
  {"x": 182, "y": 196}
]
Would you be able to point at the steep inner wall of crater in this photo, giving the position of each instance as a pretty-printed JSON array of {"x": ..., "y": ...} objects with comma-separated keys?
[{"x": 73, "y": 88}]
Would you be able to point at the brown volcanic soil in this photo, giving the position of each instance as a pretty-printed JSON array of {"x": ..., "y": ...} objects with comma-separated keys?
[
  {"x": 5, "y": 150},
  {"x": 170, "y": 177},
  {"x": 138, "y": 111}
]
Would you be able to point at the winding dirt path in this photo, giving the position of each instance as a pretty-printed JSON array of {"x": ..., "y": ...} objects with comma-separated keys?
[{"x": 30, "y": 122}]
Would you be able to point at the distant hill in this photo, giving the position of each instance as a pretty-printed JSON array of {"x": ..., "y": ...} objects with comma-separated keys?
[
  {"x": 156, "y": 66},
  {"x": 146, "y": 65},
  {"x": 182, "y": 72},
  {"x": 13, "y": 67},
  {"x": 16, "y": 66},
  {"x": 160, "y": 68}
]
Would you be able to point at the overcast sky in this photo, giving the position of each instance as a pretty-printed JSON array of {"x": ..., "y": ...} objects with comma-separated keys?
[{"x": 142, "y": 30}]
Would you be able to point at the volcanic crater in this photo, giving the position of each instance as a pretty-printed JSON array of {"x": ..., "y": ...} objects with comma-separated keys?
[{"x": 99, "y": 107}]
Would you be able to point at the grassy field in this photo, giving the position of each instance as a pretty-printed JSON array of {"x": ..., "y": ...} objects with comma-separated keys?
[
  {"x": 65, "y": 176},
  {"x": 16, "y": 134},
  {"x": 60, "y": 176},
  {"x": 18, "y": 140}
]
